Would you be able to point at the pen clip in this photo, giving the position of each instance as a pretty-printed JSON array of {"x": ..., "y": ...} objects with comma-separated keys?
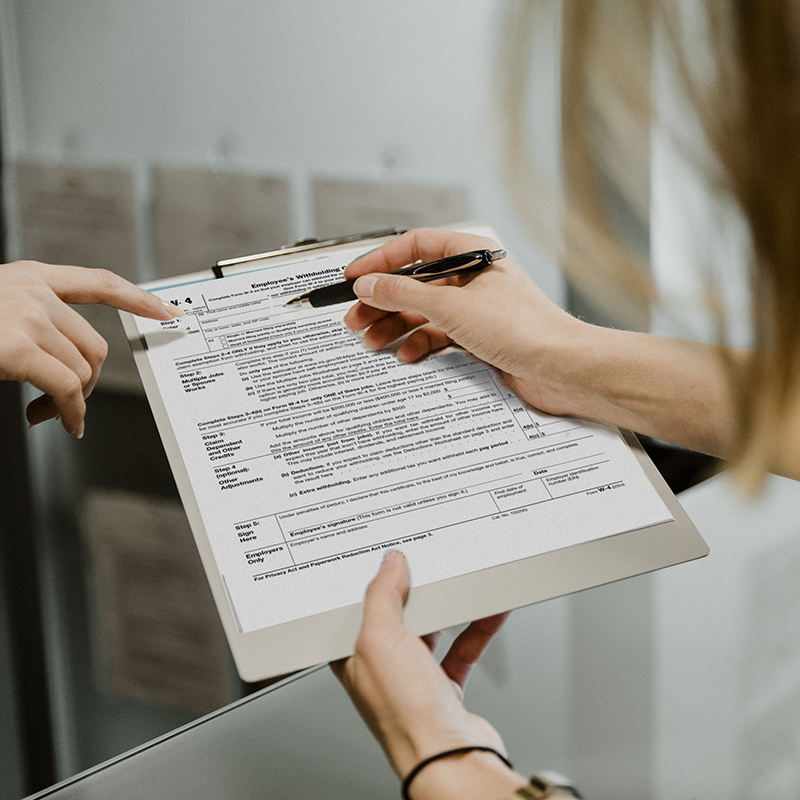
[{"x": 452, "y": 265}]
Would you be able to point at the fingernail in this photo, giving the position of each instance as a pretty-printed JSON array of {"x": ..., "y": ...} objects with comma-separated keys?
[
  {"x": 80, "y": 430},
  {"x": 391, "y": 555},
  {"x": 459, "y": 690},
  {"x": 174, "y": 311},
  {"x": 365, "y": 285}
]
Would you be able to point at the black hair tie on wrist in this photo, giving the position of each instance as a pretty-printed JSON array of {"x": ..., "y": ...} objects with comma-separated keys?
[{"x": 446, "y": 754}]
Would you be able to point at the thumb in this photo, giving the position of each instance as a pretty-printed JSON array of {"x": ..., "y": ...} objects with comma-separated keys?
[
  {"x": 400, "y": 293},
  {"x": 386, "y": 595}
]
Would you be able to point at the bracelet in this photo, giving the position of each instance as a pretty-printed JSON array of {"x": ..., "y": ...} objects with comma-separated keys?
[
  {"x": 543, "y": 786},
  {"x": 446, "y": 754}
]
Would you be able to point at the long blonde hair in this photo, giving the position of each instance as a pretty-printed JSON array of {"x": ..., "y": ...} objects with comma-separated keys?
[{"x": 746, "y": 95}]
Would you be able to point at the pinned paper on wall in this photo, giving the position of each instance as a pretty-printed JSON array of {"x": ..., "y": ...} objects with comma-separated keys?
[
  {"x": 202, "y": 216},
  {"x": 78, "y": 215},
  {"x": 160, "y": 640},
  {"x": 84, "y": 216},
  {"x": 343, "y": 207}
]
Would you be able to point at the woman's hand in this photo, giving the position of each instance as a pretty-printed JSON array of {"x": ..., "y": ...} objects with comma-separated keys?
[
  {"x": 47, "y": 343},
  {"x": 498, "y": 315},
  {"x": 412, "y": 705},
  {"x": 665, "y": 388}
]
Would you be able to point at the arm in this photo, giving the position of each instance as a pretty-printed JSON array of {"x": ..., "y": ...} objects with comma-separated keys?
[
  {"x": 45, "y": 342},
  {"x": 666, "y": 388},
  {"x": 413, "y": 705}
]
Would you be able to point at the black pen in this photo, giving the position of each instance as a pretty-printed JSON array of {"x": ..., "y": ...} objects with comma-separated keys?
[{"x": 473, "y": 261}]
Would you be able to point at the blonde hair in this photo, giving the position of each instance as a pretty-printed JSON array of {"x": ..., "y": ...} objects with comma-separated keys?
[{"x": 745, "y": 92}]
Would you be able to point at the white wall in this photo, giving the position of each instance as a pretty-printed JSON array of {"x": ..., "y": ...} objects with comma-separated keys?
[{"x": 401, "y": 92}]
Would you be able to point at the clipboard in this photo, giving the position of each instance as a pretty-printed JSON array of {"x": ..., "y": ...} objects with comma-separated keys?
[{"x": 288, "y": 646}]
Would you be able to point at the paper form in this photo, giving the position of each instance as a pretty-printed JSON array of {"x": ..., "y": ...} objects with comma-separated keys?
[{"x": 310, "y": 454}]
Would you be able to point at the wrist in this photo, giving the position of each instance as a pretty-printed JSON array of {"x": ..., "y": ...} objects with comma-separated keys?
[
  {"x": 669, "y": 389},
  {"x": 568, "y": 369},
  {"x": 475, "y": 775},
  {"x": 593, "y": 371}
]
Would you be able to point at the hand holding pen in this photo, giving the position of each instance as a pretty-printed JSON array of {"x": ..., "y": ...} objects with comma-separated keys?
[
  {"x": 499, "y": 316},
  {"x": 472, "y": 261}
]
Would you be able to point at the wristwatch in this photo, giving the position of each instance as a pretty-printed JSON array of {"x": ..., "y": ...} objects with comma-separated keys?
[{"x": 545, "y": 785}]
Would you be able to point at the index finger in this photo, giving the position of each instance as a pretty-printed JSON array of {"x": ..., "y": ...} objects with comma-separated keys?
[
  {"x": 421, "y": 244},
  {"x": 82, "y": 285}
]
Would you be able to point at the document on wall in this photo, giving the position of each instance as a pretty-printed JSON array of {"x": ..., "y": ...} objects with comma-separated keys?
[
  {"x": 308, "y": 454},
  {"x": 347, "y": 205},
  {"x": 84, "y": 215},
  {"x": 201, "y": 215}
]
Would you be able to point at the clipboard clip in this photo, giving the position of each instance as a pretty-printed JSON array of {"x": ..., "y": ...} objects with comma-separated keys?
[{"x": 303, "y": 245}]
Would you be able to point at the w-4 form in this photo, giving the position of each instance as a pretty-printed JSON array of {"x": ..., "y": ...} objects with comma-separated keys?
[{"x": 309, "y": 454}]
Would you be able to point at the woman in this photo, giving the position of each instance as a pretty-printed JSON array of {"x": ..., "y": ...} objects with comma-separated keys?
[{"x": 740, "y": 405}]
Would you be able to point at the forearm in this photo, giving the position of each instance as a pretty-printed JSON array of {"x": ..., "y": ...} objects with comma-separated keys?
[{"x": 669, "y": 389}]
